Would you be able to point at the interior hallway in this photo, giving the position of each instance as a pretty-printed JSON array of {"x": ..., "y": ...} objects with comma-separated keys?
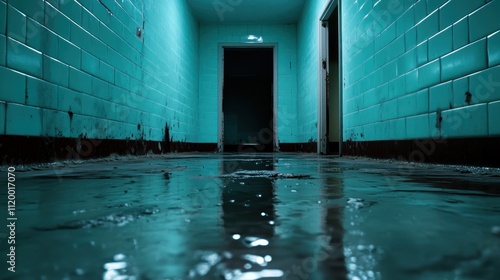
[
  {"x": 117, "y": 118},
  {"x": 413, "y": 80}
]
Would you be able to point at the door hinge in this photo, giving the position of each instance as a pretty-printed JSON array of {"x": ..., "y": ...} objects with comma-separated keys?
[{"x": 324, "y": 63}]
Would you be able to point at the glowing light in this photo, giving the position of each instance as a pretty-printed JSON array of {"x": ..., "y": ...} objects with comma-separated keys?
[
  {"x": 254, "y": 275},
  {"x": 115, "y": 265},
  {"x": 259, "y": 242},
  {"x": 252, "y": 39}
]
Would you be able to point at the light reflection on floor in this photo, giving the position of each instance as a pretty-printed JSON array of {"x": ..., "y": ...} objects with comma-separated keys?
[{"x": 256, "y": 216}]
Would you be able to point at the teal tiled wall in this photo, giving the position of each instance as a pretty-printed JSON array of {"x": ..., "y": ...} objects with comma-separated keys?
[
  {"x": 308, "y": 75},
  {"x": 408, "y": 62},
  {"x": 404, "y": 63},
  {"x": 76, "y": 68},
  {"x": 284, "y": 36}
]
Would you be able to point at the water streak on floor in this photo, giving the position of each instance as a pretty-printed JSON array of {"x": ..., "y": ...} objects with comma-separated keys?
[{"x": 265, "y": 216}]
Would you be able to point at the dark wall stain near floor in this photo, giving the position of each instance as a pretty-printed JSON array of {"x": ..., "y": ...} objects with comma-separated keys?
[
  {"x": 166, "y": 139},
  {"x": 307, "y": 147},
  {"x": 465, "y": 151},
  {"x": 26, "y": 149}
]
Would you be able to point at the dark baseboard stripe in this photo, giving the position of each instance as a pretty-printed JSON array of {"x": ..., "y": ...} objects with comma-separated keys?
[
  {"x": 25, "y": 149},
  {"x": 307, "y": 147},
  {"x": 465, "y": 151}
]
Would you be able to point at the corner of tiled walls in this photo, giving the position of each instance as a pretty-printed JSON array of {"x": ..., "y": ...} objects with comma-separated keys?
[
  {"x": 77, "y": 69},
  {"x": 408, "y": 65}
]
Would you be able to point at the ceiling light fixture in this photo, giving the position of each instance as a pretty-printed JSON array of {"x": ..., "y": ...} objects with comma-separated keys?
[{"x": 252, "y": 39}]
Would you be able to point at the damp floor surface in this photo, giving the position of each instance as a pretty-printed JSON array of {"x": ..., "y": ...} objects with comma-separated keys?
[{"x": 255, "y": 216}]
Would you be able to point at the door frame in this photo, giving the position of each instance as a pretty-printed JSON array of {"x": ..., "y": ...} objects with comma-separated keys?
[
  {"x": 324, "y": 56},
  {"x": 220, "y": 112}
]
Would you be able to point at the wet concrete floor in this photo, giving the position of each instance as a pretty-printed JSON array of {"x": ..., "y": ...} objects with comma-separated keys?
[{"x": 255, "y": 216}]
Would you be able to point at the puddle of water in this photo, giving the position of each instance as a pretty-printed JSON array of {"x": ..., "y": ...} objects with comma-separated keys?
[{"x": 275, "y": 216}]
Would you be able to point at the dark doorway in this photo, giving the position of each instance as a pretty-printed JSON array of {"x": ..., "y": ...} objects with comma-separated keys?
[
  {"x": 248, "y": 100},
  {"x": 332, "y": 96}
]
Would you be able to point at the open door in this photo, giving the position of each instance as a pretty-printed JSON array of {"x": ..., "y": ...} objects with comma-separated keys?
[
  {"x": 247, "y": 99},
  {"x": 330, "y": 99}
]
